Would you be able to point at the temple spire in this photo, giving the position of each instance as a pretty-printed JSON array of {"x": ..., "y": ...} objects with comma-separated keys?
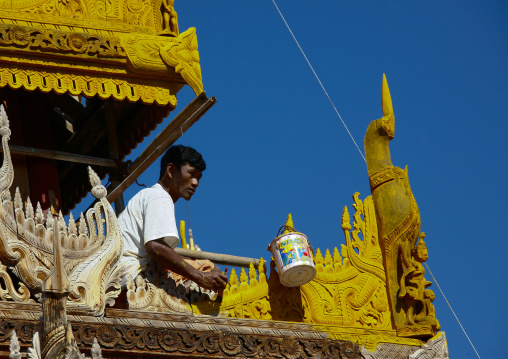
[
  {"x": 388, "y": 119},
  {"x": 289, "y": 227},
  {"x": 386, "y": 98},
  {"x": 57, "y": 281}
]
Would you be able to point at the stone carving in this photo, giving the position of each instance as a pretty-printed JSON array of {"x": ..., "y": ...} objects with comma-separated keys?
[
  {"x": 398, "y": 221},
  {"x": 26, "y": 245}
]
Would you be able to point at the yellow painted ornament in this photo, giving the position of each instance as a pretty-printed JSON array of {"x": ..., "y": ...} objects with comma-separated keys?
[{"x": 293, "y": 256}]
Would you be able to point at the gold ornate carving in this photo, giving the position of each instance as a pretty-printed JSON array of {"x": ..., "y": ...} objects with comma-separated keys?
[
  {"x": 367, "y": 338},
  {"x": 380, "y": 177},
  {"x": 140, "y": 12},
  {"x": 352, "y": 286},
  {"x": 183, "y": 55},
  {"x": 135, "y": 12},
  {"x": 147, "y": 54},
  {"x": 398, "y": 220},
  {"x": 77, "y": 43},
  {"x": 169, "y": 18},
  {"x": 144, "y": 53},
  {"x": 76, "y": 83},
  {"x": 26, "y": 244},
  {"x": 103, "y": 27},
  {"x": 347, "y": 298},
  {"x": 91, "y": 61},
  {"x": 248, "y": 299}
]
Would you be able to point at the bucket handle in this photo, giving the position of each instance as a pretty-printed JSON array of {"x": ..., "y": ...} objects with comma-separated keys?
[
  {"x": 286, "y": 227},
  {"x": 292, "y": 229}
]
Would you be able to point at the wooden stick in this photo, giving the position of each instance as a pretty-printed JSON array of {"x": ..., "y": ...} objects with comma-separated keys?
[
  {"x": 63, "y": 156},
  {"x": 176, "y": 128},
  {"x": 218, "y": 258}
]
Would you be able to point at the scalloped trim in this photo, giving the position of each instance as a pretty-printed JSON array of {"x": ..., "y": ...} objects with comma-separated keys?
[{"x": 79, "y": 84}]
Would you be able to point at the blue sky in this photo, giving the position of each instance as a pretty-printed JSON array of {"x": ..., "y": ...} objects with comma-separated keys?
[{"x": 274, "y": 145}]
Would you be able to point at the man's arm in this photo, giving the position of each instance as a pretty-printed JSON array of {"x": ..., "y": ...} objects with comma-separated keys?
[{"x": 167, "y": 258}]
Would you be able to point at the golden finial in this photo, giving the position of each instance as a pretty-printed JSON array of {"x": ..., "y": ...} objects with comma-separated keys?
[
  {"x": 289, "y": 227},
  {"x": 386, "y": 98},
  {"x": 388, "y": 120}
]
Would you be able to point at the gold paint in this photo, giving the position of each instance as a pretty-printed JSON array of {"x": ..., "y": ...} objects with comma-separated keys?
[
  {"x": 182, "y": 234},
  {"x": 398, "y": 220},
  {"x": 104, "y": 86},
  {"x": 169, "y": 18},
  {"x": 347, "y": 298},
  {"x": 183, "y": 55},
  {"x": 90, "y": 48},
  {"x": 289, "y": 226}
]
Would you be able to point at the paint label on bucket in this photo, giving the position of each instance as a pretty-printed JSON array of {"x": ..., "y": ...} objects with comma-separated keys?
[
  {"x": 293, "y": 258},
  {"x": 293, "y": 250}
]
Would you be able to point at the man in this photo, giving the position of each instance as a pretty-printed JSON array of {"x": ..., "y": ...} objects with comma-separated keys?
[{"x": 148, "y": 222}]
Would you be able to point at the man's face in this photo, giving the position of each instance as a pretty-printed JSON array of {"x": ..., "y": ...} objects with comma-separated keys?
[{"x": 186, "y": 180}]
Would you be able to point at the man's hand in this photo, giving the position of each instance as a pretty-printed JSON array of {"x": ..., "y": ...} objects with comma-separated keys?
[
  {"x": 216, "y": 268},
  {"x": 213, "y": 280},
  {"x": 167, "y": 258}
]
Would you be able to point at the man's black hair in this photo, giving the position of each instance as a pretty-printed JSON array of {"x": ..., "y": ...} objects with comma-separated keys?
[{"x": 180, "y": 155}]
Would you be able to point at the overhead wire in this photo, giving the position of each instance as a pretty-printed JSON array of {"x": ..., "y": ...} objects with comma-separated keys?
[
  {"x": 361, "y": 153},
  {"x": 317, "y": 78},
  {"x": 449, "y": 305}
]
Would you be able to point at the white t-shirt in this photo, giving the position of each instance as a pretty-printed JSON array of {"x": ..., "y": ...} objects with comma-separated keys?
[{"x": 149, "y": 215}]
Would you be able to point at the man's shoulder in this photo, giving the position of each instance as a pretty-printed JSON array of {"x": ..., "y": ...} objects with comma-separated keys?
[
  {"x": 156, "y": 191},
  {"x": 146, "y": 197}
]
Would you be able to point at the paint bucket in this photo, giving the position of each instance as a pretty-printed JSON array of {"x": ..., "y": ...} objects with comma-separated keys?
[{"x": 293, "y": 256}]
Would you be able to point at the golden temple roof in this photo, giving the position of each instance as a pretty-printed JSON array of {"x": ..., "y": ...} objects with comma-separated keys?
[
  {"x": 131, "y": 52},
  {"x": 116, "y": 49}
]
